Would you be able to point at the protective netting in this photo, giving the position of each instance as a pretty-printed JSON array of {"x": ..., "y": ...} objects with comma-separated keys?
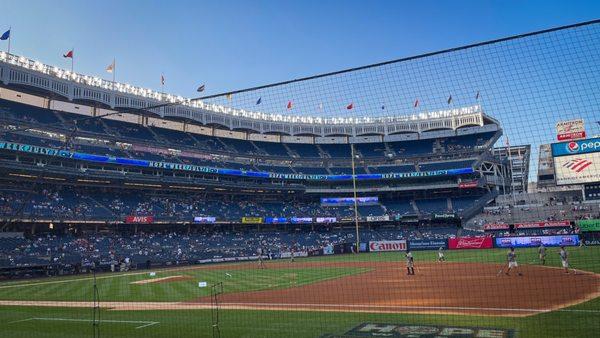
[{"x": 482, "y": 229}]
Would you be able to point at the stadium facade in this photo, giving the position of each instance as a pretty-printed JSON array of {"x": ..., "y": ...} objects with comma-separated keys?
[{"x": 65, "y": 128}]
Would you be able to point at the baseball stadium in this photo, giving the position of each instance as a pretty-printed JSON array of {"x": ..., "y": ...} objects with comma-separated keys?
[{"x": 454, "y": 193}]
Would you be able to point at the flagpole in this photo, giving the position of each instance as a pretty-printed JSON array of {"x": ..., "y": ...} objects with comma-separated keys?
[
  {"x": 9, "y": 38},
  {"x": 114, "y": 70},
  {"x": 72, "y": 57}
]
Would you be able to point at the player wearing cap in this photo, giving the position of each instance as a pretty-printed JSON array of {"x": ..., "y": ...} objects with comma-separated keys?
[
  {"x": 512, "y": 262},
  {"x": 410, "y": 263}
]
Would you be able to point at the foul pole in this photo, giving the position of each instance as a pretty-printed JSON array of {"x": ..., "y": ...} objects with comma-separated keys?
[{"x": 355, "y": 199}]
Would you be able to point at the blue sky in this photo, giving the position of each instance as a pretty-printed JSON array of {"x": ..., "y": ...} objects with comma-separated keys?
[
  {"x": 236, "y": 44},
  {"x": 528, "y": 85}
]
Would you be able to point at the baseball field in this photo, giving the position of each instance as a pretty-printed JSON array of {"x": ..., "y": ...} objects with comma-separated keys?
[{"x": 364, "y": 295}]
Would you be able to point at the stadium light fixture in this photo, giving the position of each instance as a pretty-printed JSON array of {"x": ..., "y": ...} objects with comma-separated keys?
[{"x": 169, "y": 99}]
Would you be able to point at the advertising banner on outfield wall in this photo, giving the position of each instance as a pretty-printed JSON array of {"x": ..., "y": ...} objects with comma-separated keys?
[
  {"x": 382, "y": 218},
  {"x": 460, "y": 243},
  {"x": 139, "y": 219},
  {"x": 275, "y": 220},
  {"x": 427, "y": 244},
  {"x": 201, "y": 219},
  {"x": 495, "y": 226},
  {"x": 547, "y": 224},
  {"x": 252, "y": 220},
  {"x": 301, "y": 220},
  {"x": 326, "y": 219},
  {"x": 589, "y": 225},
  {"x": 288, "y": 254},
  {"x": 399, "y": 245},
  {"x": 527, "y": 225},
  {"x": 535, "y": 241},
  {"x": 591, "y": 238}
]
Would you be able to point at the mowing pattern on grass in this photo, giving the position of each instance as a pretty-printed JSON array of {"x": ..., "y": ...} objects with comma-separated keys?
[{"x": 121, "y": 287}]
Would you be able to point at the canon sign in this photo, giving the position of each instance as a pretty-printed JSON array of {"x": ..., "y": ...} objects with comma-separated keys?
[{"x": 387, "y": 245}]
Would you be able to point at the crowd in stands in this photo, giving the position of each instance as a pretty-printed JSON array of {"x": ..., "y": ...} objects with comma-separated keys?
[
  {"x": 536, "y": 208},
  {"x": 72, "y": 203},
  {"x": 160, "y": 248},
  {"x": 123, "y": 251}
]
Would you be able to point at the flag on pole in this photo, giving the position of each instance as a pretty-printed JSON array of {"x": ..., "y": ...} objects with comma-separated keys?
[
  {"x": 259, "y": 101},
  {"x": 111, "y": 67},
  {"x": 6, "y": 35},
  {"x": 200, "y": 89},
  {"x": 289, "y": 105},
  {"x": 68, "y": 54},
  {"x": 477, "y": 96},
  {"x": 506, "y": 141},
  {"x": 416, "y": 103},
  {"x": 350, "y": 106},
  {"x": 449, "y": 99},
  {"x": 162, "y": 79}
]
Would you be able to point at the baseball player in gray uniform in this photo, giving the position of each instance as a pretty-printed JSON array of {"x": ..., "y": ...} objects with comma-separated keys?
[
  {"x": 512, "y": 262},
  {"x": 564, "y": 258},
  {"x": 542, "y": 253}
]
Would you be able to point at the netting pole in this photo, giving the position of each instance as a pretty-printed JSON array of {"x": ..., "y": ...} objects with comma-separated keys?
[
  {"x": 355, "y": 199},
  {"x": 216, "y": 290},
  {"x": 96, "y": 307}
]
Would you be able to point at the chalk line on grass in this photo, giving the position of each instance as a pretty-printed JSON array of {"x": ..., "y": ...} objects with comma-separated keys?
[
  {"x": 285, "y": 306},
  {"x": 144, "y": 323}
]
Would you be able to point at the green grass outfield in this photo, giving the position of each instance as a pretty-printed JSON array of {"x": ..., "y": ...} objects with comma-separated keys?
[{"x": 582, "y": 320}]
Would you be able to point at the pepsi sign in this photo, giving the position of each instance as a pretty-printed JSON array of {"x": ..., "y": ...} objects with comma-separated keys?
[{"x": 591, "y": 145}]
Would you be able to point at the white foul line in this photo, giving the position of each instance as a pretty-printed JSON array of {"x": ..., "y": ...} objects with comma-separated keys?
[
  {"x": 341, "y": 306},
  {"x": 145, "y": 323}
]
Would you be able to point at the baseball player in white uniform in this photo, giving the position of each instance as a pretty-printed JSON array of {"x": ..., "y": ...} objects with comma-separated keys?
[
  {"x": 410, "y": 263},
  {"x": 441, "y": 257}
]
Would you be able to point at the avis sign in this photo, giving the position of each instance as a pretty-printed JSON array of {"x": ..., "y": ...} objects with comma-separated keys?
[
  {"x": 426, "y": 331},
  {"x": 570, "y": 130},
  {"x": 139, "y": 219},
  {"x": 399, "y": 245}
]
